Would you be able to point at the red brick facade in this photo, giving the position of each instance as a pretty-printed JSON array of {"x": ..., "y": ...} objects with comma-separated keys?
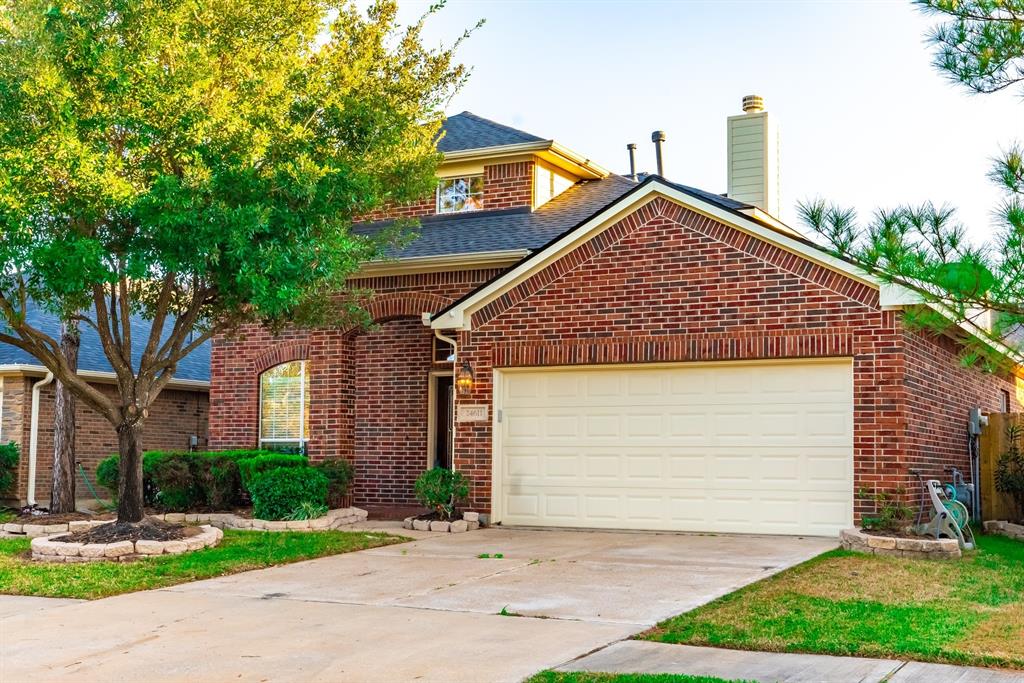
[
  {"x": 669, "y": 285},
  {"x": 665, "y": 284},
  {"x": 368, "y": 388},
  {"x": 175, "y": 416}
]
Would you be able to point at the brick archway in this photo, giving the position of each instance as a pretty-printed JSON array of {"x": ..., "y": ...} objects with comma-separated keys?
[
  {"x": 281, "y": 353},
  {"x": 393, "y": 305}
]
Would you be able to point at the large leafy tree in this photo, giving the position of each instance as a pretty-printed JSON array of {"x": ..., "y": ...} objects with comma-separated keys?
[
  {"x": 198, "y": 163},
  {"x": 978, "y": 44}
]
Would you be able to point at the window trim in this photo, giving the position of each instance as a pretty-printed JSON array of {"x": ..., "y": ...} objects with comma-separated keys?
[
  {"x": 302, "y": 440},
  {"x": 437, "y": 192}
]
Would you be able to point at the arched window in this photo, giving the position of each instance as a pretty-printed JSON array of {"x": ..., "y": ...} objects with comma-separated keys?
[{"x": 284, "y": 407}]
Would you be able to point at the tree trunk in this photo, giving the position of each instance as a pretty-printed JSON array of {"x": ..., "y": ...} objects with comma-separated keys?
[
  {"x": 62, "y": 493},
  {"x": 129, "y": 481}
]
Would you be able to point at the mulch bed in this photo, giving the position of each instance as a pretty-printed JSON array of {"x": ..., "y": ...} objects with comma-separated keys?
[
  {"x": 148, "y": 529},
  {"x": 61, "y": 518},
  {"x": 436, "y": 517}
]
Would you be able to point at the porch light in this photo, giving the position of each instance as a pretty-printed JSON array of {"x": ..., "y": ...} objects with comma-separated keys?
[{"x": 464, "y": 379}]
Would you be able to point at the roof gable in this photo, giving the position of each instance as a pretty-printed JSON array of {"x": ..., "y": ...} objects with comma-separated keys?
[
  {"x": 468, "y": 131},
  {"x": 459, "y": 315}
]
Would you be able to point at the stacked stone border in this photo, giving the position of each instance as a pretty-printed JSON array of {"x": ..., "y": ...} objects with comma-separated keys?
[
  {"x": 53, "y": 549},
  {"x": 916, "y": 548},
  {"x": 38, "y": 530},
  {"x": 470, "y": 522},
  {"x": 334, "y": 519},
  {"x": 1008, "y": 529},
  {"x": 222, "y": 520}
]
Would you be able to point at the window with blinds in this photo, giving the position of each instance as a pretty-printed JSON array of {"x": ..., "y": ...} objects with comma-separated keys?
[{"x": 284, "y": 407}]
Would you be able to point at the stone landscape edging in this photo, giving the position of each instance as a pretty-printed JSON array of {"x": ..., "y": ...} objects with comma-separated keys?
[
  {"x": 52, "y": 549},
  {"x": 470, "y": 522},
  {"x": 222, "y": 520},
  {"x": 918, "y": 548},
  {"x": 1004, "y": 528},
  {"x": 38, "y": 530},
  {"x": 334, "y": 519}
]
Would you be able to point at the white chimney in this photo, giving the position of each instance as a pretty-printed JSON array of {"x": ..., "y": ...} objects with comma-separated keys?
[{"x": 753, "y": 157}]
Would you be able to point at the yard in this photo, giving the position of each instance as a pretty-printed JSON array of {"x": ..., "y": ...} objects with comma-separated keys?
[
  {"x": 840, "y": 603},
  {"x": 239, "y": 551}
]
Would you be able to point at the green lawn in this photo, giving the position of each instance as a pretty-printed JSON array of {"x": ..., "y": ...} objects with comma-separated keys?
[
  {"x": 842, "y": 603},
  {"x": 573, "y": 677},
  {"x": 239, "y": 551}
]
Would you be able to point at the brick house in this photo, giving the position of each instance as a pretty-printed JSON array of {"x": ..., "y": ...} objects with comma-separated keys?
[
  {"x": 597, "y": 351},
  {"x": 178, "y": 418}
]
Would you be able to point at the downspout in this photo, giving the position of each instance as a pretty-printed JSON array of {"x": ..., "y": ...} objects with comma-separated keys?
[
  {"x": 455, "y": 370},
  {"x": 33, "y": 440}
]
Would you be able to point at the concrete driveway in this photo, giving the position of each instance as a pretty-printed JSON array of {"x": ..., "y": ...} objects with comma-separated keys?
[{"x": 426, "y": 610}]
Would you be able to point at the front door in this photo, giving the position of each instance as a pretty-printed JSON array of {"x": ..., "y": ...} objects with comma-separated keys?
[{"x": 443, "y": 426}]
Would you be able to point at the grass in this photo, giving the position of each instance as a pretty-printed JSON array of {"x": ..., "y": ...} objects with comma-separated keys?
[
  {"x": 841, "y": 603},
  {"x": 239, "y": 551},
  {"x": 586, "y": 677}
]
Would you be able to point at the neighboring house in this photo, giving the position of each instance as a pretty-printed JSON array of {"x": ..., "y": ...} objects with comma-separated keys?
[
  {"x": 177, "y": 420},
  {"x": 635, "y": 355}
]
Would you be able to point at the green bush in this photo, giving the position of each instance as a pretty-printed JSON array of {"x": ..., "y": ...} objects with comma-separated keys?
[
  {"x": 218, "y": 479},
  {"x": 442, "y": 490},
  {"x": 278, "y": 493},
  {"x": 214, "y": 477},
  {"x": 174, "y": 477},
  {"x": 251, "y": 467},
  {"x": 339, "y": 473},
  {"x": 8, "y": 465}
]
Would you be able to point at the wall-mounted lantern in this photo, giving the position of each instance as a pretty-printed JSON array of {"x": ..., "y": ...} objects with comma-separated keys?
[{"x": 464, "y": 379}]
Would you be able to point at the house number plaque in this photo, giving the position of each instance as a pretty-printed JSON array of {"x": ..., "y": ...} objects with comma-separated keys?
[{"x": 472, "y": 413}]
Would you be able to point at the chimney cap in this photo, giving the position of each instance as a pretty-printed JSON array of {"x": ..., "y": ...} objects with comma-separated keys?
[
  {"x": 658, "y": 136},
  {"x": 631, "y": 145},
  {"x": 753, "y": 104}
]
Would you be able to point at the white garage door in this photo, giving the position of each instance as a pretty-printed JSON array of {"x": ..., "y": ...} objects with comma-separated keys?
[{"x": 721, "y": 447}]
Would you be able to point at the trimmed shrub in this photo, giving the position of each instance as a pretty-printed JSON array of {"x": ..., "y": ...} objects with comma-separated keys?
[
  {"x": 279, "y": 493},
  {"x": 174, "y": 477},
  {"x": 219, "y": 480},
  {"x": 441, "y": 490},
  {"x": 250, "y": 468},
  {"x": 8, "y": 465},
  {"x": 339, "y": 473}
]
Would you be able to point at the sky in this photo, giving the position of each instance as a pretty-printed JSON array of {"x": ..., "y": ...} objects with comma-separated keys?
[{"x": 865, "y": 119}]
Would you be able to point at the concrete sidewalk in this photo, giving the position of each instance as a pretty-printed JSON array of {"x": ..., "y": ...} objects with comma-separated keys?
[{"x": 634, "y": 656}]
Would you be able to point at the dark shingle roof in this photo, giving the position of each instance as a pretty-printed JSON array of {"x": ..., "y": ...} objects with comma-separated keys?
[
  {"x": 516, "y": 229},
  {"x": 469, "y": 131},
  {"x": 510, "y": 229},
  {"x": 195, "y": 366}
]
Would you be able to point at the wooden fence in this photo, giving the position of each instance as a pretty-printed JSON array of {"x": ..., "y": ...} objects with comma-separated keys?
[{"x": 995, "y": 505}]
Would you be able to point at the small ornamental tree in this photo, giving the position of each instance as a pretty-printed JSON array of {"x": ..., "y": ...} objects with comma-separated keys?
[
  {"x": 198, "y": 163},
  {"x": 1009, "y": 473},
  {"x": 979, "y": 44}
]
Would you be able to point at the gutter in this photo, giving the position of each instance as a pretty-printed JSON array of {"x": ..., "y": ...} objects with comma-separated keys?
[
  {"x": 33, "y": 440},
  {"x": 99, "y": 376}
]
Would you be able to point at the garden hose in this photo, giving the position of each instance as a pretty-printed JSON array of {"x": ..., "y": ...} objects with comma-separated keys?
[{"x": 85, "y": 478}]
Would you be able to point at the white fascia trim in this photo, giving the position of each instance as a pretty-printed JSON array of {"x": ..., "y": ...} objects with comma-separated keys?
[
  {"x": 460, "y": 316},
  {"x": 100, "y": 376},
  {"x": 585, "y": 165},
  {"x": 425, "y": 264}
]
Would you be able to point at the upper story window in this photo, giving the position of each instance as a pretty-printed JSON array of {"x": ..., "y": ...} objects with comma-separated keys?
[
  {"x": 455, "y": 195},
  {"x": 284, "y": 407}
]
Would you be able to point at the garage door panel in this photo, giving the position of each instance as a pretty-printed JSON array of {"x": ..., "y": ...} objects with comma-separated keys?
[{"x": 762, "y": 448}]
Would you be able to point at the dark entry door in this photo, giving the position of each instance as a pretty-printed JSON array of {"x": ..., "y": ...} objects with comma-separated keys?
[{"x": 443, "y": 426}]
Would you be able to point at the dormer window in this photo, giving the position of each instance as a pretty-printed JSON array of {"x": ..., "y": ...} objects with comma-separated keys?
[{"x": 456, "y": 195}]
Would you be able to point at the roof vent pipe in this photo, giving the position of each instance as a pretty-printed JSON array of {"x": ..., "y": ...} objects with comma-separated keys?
[
  {"x": 632, "y": 159},
  {"x": 752, "y": 104},
  {"x": 658, "y": 137}
]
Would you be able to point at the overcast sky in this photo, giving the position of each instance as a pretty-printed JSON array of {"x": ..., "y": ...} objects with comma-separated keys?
[{"x": 865, "y": 119}]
